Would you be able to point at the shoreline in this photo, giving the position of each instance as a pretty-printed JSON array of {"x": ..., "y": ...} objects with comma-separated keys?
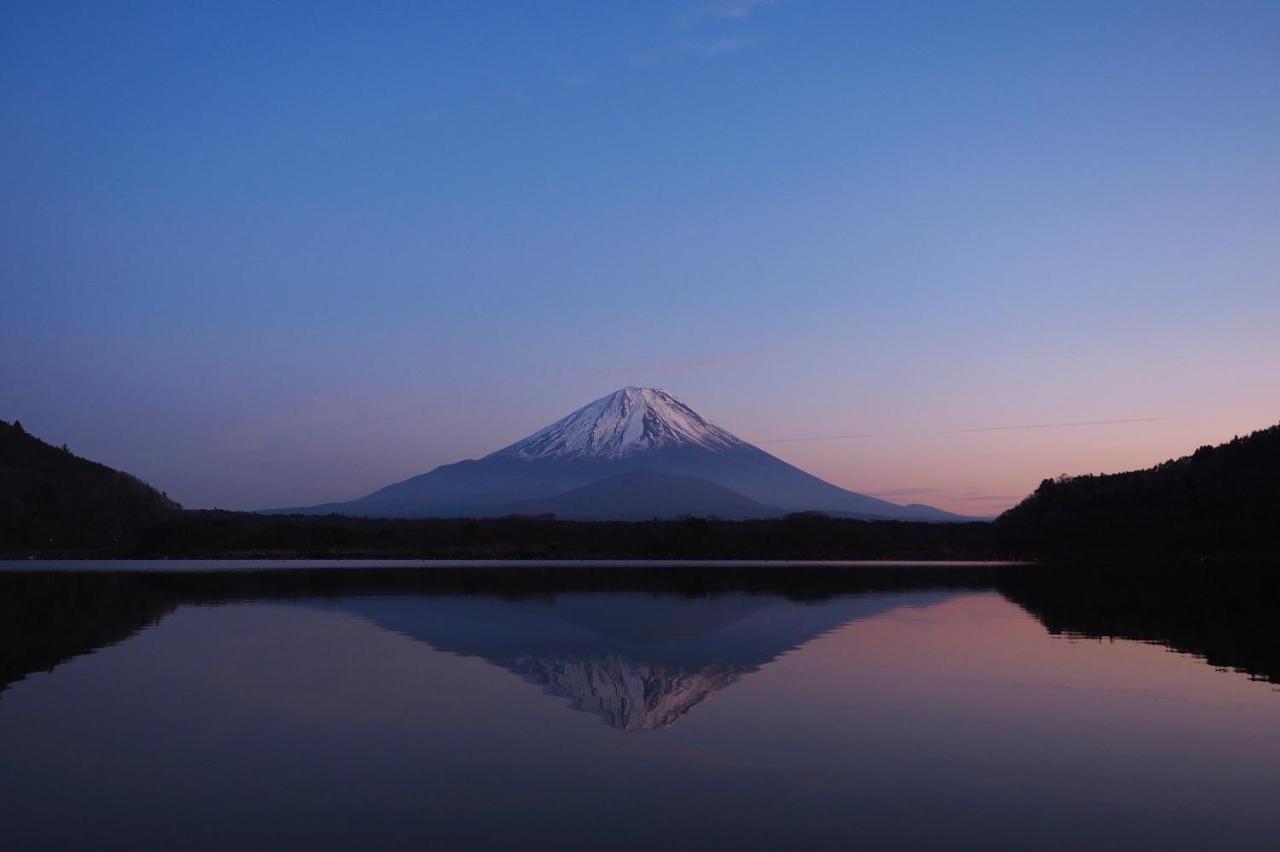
[{"x": 294, "y": 564}]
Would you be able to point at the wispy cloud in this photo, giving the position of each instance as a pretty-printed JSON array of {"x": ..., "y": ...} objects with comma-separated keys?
[
  {"x": 572, "y": 80},
  {"x": 697, "y": 47},
  {"x": 950, "y": 496},
  {"x": 811, "y": 438},
  {"x": 692, "y": 364},
  {"x": 904, "y": 492},
  {"x": 734, "y": 10},
  {"x": 511, "y": 93},
  {"x": 716, "y": 46},
  {"x": 1027, "y": 426},
  {"x": 1065, "y": 425}
]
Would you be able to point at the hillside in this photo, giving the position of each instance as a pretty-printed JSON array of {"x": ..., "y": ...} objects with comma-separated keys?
[
  {"x": 54, "y": 501},
  {"x": 1223, "y": 499}
]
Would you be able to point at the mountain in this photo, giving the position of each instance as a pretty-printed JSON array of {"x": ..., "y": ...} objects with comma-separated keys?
[
  {"x": 53, "y": 499},
  {"x": 632, "y": 429},
  {"x": 1221, "y": 499}
]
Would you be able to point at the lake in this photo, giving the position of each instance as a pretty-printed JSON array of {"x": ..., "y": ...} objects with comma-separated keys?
[{"x": 822, "y": 709}]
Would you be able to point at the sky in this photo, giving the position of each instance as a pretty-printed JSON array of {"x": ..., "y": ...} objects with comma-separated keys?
[{"x": 281, "y": 254}]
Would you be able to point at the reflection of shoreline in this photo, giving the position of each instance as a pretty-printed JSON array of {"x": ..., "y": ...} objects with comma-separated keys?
[
  {"x": 1222, "y": 614},
  {"x": 48, "y": 617}
]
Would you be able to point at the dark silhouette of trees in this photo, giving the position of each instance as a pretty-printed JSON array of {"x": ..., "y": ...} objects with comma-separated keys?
[
  {"x": 1218, "y": 500},
  {"x": 240, "y": 534},
  {"x": 52, "y": 501}
]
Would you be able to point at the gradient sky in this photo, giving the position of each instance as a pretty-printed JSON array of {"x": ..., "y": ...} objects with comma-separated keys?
[{"x": 279, "y": 254}]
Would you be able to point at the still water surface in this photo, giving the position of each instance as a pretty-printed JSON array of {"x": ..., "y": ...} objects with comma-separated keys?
[{"x": 936, "y": 718}]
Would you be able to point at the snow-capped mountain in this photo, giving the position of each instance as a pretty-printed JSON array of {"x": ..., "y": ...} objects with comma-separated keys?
[
  {"x": 627, "y": 422},
  {"x": 696, "y": 468}
]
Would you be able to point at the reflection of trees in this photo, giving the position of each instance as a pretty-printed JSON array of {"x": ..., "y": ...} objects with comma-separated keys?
[
  {"x": 1224, "y": 614},
  {"x": 46, "y": 620},
  {"x": 1220, "y": 613}
]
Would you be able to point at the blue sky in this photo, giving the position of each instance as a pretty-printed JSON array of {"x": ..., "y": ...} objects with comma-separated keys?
[{"x": 276, "y": 254}]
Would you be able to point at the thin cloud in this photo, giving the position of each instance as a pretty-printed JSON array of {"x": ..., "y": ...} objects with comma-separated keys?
[
  {"x": 1065, "y": 425},
  {"x": 572, "y": 80},
  {"x": 811, "y": 438},
  {"x": 511, "y": 94},
  {"x": 693, "y": 364},
  {"x": 697, "y": 47},
  {"x": 715, "y": 46},
  {"x": 733, "y": 10},
  {"x": 904, "y": 492}
]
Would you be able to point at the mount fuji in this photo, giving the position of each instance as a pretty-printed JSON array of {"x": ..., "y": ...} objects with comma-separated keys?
[{"x": 637, "y": 453}]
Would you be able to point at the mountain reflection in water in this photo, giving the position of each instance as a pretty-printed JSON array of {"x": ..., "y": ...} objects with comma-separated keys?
[
  {"x": 710, "y": 707},
  {"x": 641, "y": 659},
  {"x": 637, "y": 661}
]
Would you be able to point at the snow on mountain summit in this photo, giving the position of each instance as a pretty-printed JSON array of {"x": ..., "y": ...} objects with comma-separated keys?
[{"x": 627, "y": 422}]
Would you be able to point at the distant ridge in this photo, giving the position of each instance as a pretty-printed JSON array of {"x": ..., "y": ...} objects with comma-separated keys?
[{"x": 631, "y": 429}]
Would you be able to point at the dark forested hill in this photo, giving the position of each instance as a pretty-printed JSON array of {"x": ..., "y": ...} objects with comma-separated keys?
[
  {"x": 53, "y": 500},
  {"x": 1223, "y": 499}
]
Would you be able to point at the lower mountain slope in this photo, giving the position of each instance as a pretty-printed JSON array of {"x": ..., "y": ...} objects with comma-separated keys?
[
  {"x": 489, "y": 486},
  {"x": 640, "y": 495}
]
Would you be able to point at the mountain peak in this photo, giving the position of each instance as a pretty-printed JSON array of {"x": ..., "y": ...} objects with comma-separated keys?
[{"x": 627, "y": 422}]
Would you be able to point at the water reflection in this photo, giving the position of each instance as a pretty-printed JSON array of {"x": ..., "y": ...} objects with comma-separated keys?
[
  {"x": 787, "y": 711},
  {"x": 644, "y": 658},
  {"x": 637, "y": 661}
]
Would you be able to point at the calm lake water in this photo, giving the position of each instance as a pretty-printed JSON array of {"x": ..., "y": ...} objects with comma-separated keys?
[{"x": 140, "y": 715}]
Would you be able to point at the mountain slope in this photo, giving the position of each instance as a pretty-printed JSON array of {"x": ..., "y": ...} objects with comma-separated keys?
[
  {"x": 1217, "y": 500},
  {"x": 51, "y": 499},
  {"x": 644, "y": 494},
  {"x": 630, "y": 429}
]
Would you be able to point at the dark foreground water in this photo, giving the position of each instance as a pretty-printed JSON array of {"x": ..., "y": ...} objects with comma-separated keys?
[{"x": 1009, "y": 712}]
